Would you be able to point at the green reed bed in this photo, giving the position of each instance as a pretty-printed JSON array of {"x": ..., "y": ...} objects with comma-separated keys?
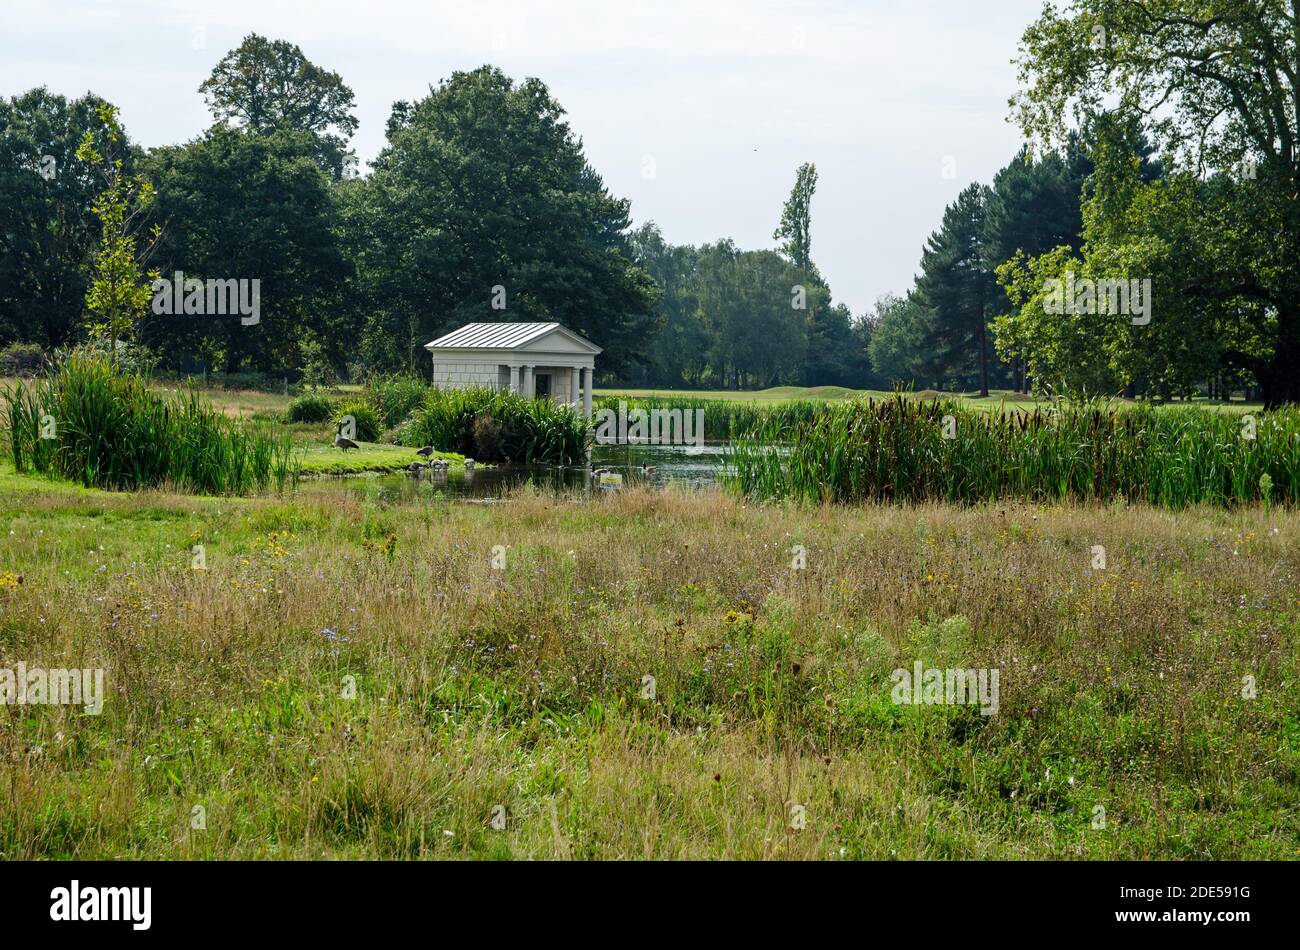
[
  {"x": 395, "y": 397},
  {"x": 723, "y": 419},
  {"x": 497, "y": 426},
  {"x": 92, "y": 422},
  {"x": 895, "y": 450}
]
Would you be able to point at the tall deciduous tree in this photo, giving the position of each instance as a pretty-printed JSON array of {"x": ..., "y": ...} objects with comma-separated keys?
[
  {"x": 758, "y": 337},
  {"x": 486, "y": 209},
  {"x": 269, "y": 85},
  {"x": 679, "y": 353},
  {"x": 48, "y": 229},
  {"x": 897, "y": 344},
  {"x": 1138, "y": 334},
  {"x": 1219, "y": 82},
  {"x": 822, "y": 329},
  {"x": 795, "y": 230},
  {"x": 242, "y": 205},
  {"x": 836, "y": 355}
]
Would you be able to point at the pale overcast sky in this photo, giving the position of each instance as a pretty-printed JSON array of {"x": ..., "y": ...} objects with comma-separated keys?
[{"x": 720, "y": 99}]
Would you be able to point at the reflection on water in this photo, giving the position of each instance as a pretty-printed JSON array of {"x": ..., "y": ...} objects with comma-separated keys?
[{"x": 685, "y": 465}]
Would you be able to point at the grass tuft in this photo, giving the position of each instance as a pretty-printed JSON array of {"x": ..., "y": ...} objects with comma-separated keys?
[{"x": 92, "y": 422}]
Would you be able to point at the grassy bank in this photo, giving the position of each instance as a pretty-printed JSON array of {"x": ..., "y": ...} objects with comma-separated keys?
[
  {"x": 522, "y": 687},
  {"x": 321, "y": 458}
]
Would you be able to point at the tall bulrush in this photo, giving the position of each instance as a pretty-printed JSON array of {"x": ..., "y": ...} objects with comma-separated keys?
[
  {"x": 93, "y": 422},
  {"x": 904, "y": 450},
  {"x": 496, "y": 425}
]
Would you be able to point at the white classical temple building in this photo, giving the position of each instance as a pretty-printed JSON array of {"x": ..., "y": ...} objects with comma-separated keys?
[{"x": 542, "y": 360}]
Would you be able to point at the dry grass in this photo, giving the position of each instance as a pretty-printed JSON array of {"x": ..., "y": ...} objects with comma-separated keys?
[{"x": 522, "y": 686}]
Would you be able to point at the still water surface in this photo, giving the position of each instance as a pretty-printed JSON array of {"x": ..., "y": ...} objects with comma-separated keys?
[{"x": 685, "y": 465}]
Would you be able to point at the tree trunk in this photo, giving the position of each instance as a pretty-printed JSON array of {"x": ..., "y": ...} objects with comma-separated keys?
[
  {"x": 984, "y": 360},
  {"x": 1279, "y": 381}
]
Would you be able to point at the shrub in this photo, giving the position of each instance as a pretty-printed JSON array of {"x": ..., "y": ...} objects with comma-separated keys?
[
  {"x": 310, "y": 407},
  {"x": 98, "y": 423},
  {"x": 366, "y": 418},
  {"x": 21, "y": 359}
]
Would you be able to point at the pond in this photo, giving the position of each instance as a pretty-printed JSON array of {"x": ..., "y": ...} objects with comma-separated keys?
[{"x": 692, "y": 466}]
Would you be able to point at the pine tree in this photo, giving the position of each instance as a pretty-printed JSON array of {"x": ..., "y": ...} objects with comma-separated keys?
[{"x": 956, "y": 291}]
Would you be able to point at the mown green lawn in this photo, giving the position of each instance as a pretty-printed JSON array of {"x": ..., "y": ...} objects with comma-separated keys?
[
  {"x": 322, "y": 458},
  {"x": 775, "y": 394},
  {"x": 998, "y": 399}
]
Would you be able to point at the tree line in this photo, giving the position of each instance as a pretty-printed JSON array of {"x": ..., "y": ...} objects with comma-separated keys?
[
  {"x": 1169, "y": 165},
  {"x": 480, "y": 206},
  {"x": 1180, "y": 168}
]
